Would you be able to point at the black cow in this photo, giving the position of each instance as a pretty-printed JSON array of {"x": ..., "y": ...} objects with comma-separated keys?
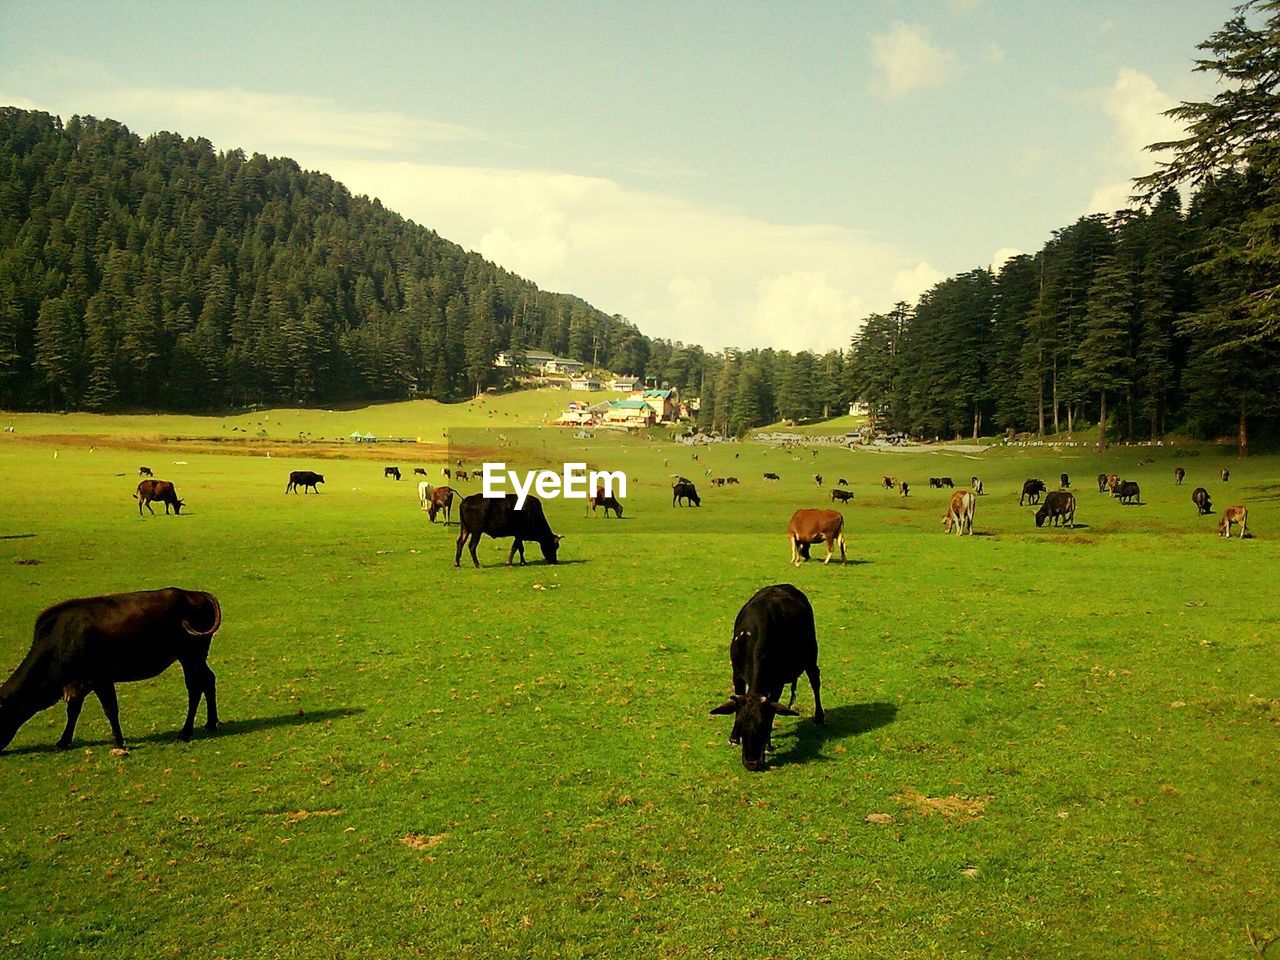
[
  {"x": 303, "y": 479},
  {"x": 1200, "y": 497},
  {"x": 1178, "y": 475},
  {"x": 419, "y": 472},
  {"x": 1031, "y": 490},
  {"x": 772, "y": 476},
  {"x": 498, "y": 517},
  {"x": 1226, "y": 475},
  {"x": 1059, "y": 508},
  {"x": 842, "y": 482},
  {"x": 1102, "y": 483},
  {"x": 1127, "y": 491},
  {"x": 946, "y": 482},
  {"x": 158, "y": 491},
  {"x": 610, "y": 502},
  {"x": 392, "y": 472},
  {"x": 684, "y": 490},
  {"x": 145, "y": 472},
  {"x": 732, "y": 480},
  {"x": 817, "y": 478},
  {"x": 977, "y": 486},
  {"x": 1065, "y": 482},
  {"x": 905, "y": 487},
  {"x": 774, "y": 641},
  {"x": 90, "y": 645},
  {"x": 844, "y": 496}
]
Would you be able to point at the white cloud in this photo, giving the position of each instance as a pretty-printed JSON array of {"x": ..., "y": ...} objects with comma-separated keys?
[
  {"x": 1003, "y": 256},
  {"x": 910, "y": 283},
  {"x": 907, "y": 61},
  {"x": 1135, "y": 107}
]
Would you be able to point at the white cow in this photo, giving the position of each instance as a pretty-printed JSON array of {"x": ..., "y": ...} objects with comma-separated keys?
[
  {"x": 960, "y": 513},
  {"x": 424, "y": 494}
]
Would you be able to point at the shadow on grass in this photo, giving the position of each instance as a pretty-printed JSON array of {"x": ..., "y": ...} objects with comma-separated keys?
[
  {"x": 16, "y": 536},
  {"x": 227, "y": 728},
  {"x": 809, "y": 739}
]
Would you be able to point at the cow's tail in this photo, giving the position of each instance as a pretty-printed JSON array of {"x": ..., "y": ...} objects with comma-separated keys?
[{"x": 217, "y": 619}]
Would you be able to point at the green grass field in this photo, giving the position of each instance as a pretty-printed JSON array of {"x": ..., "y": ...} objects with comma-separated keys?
[{"x": 1070, "y": 736}]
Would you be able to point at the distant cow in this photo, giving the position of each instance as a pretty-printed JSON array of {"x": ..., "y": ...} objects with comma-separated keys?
[
  {"x": 889, "y": 483},
  {"x": 844, "y": 496},
  {"x": 977, "y": 486},
  {"x": 448, "y": 474},
  {"x": 817, "y": 478},
  {"x": 90, "y": 645},
  {"x": 391, "y": 472},
  {"x": 732, "y": 480},
  {"x": 717, "y": 481},
  {"x": 772, "y": 476},
  {"x": 145, "y": 472},
  {"x": 1113, "y": 481},
  {"x": 303, "y": 479},
  {"x": 774, "y": 641},
  {"x": 1031, "y": 490},
  {"x": 960, "y": 513},
  {"x": 1059, "y": 508},
  {"x": 815, "y": 526},
  {"x": 686, "y": 491},
  {"x": 904, "y": 488},
  {"x": 1226, "y": 475},
  {"x": 1065, "y": 482},
  {"x": 935, "y": 483},
  {"x": 498, "y": 517},
  {"x": 424, "y": 494},
  {"x": 158, "y": 491},
  {"x": 419, "y": 472},
  {"x": 1237, "y": 514},
  {"x": 1102, "y": 483},
  {"x": 610, "y": 502},
  {"x": 1128, "y": 492},
  {"x": 842, "y": 482},
  {"x": 1200, "y": 497},
  {"x": 460, "y": 475},
  {"x": 441, "y": 499},
  {"x": 1178, "y": 475},
  {"x": 946, "y": 482}
]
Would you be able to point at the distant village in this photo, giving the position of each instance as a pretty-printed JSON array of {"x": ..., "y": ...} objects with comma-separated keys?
[{"x": 642, "y": 404}]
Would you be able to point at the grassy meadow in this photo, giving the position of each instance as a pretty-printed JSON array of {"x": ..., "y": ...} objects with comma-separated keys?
[{"x": 1065, "y": 740}]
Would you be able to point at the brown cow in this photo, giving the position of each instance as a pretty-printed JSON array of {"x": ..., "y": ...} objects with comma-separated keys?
[
  {"x": 1113, "y": 481},
  {"x": 441, "y": 499},
  {"x": 610, "y": 502},
  {"x": 460, "y": 475},
  {"x": 960, "y": 513},
  {"x": 1102, "y": 483},
  {"x": 158, "y": 491},
  {"x": 1237, "y": 514},
  {"x": 1178, "y": 475},
  {"x": 889, "y": 483},
  {"x": 815, "y": 526}
]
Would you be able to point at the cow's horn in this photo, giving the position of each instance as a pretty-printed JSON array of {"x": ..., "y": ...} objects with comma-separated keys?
[{"x": 217, "y": 619}]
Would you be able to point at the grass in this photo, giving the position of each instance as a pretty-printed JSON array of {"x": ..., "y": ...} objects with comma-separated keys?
[{"x": 1068, "y": 736}]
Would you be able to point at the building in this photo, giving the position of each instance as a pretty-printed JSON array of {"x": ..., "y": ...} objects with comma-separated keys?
[
  {"x": 588, "y": 383},
  {"x": 859, "y": 409},
  {"x": 533, "y": 359},
  {"x": 664, "y": 403},
  {"x": 562, "y": 365},
  {"x": 630, "y": 413},
  {"x": 626, "y": 384}
]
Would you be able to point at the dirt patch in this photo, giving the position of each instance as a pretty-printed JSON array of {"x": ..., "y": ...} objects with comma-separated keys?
[
  {"x": 423, "y": 841},
  {"x": 954, "y": 807}
]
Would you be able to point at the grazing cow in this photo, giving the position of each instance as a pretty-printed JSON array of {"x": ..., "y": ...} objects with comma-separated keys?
[
  {"x": 774, "y": 641},
  {"x": 1102, "y": 483},
  {"x": 717, "y": 481},
  {"x": 1128, "y": 492},
  {"x": 598, "y": 499},
  {"x": 424, "y": 494},
  {"x": 844, "y": 496},
  {"x": 1200, "y": 497},
  {"x": 817, "y": 478},
  {"x": 1226, "y": 475},
  {"x": 303, "y": 479},
  {"x": 1031, "y": 490},
  {"x": 977, "y": 486},
  {"x": 946, "y": 482},
  {"x": 158, "y": 491},
  {"x": 441, "y": 499},
  {"x": 1237, "y": 514},
  {"x": 732, "y": 480},
  {"x": 815, "y": 526},
  {"x": 842, "y": 482},
  {"x": 145, "y": 472},
  {"x": 960, "y": 513},
  {"x": 90, "y": 645},
  {"x": 1065, "y": 482},
  {"x": 391, "y": 472},
  {"x": 1178, "y": 475},
  {"x": 499, "y": 517},
  {"x": 772, "y": 476},
  {"x": 419, "y": 472},
  {"x": 684, "y": 490},
  {"x": 935, "y": 483},
  {"x": 889, "y": 483},
  {"x": 904, "y": 488},
  {"x": 448, "y": 475},
  {"x": 1113, "y": 481},
  {"x": 1059, "y": 508},
  {"x": 460, "y": 475}
]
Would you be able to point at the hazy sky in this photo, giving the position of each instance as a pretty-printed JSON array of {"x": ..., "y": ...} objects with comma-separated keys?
[{"x": 739, "y": 173}]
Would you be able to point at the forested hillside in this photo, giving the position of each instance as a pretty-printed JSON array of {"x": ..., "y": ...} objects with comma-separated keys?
[{"x": 159, "y": 273}]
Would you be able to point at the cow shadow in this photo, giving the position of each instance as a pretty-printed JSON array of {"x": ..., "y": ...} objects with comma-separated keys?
[
  {"x": 808, "y": 739},
  {"x": 226, "y": 728},
  {"x": 16, "y": 536}
]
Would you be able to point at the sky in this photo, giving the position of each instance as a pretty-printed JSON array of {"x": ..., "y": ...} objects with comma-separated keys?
[{"x": 737, "y": 173}]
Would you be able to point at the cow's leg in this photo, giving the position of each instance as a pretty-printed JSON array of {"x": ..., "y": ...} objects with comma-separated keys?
[
  {"x": 107, "y": 697},
  {"x": 831, "y": 548},
  {"x": 815, "y": 681},
  {"x": 475, "y": 540},
  {"x": 194, "y": 675},
  {"x": 462, "y": 536},
  {"x": 210, "y": 700},
  {"x": 75, "y": 700},
  {"x": 792, "y": 702},
  {"x": 149, "y": 507},
  {"x": 795, "y": 551}
]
